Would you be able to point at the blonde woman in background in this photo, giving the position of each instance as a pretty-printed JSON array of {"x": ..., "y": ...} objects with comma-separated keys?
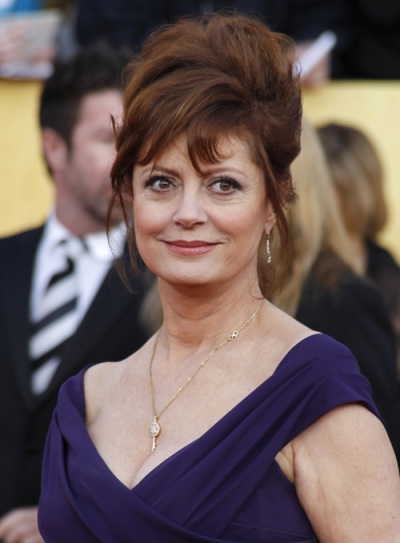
[
  {"x": 358, "y": 178},
  {"x": 324, "y": 288}
]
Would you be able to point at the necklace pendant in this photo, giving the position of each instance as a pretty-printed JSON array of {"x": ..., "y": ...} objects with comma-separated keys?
[{"x": 155, "y": 430}]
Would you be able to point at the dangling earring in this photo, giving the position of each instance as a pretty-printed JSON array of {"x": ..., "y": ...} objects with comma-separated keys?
[{"x": 268, "y": 248}]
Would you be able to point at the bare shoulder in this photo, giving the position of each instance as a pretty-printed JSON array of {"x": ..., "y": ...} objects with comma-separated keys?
[
  {"x": 96, "y": 382},
  {"x": 105, "y": 382},
  {"x": 100, "y": 383},
  {"x": 286, "y": 330},
  {"x": 96, "y": 377},
  {"x": 344, "y": 469},
  {"x": 277, "y": 334},
  {"x": 348, "y": 430},
  {"x": 290, "y": 324}
]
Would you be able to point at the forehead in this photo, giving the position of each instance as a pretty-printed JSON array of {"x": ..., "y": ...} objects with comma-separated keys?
[{"x": 226, "y": 150}]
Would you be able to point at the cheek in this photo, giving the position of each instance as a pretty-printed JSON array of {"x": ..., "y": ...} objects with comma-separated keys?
[
  {"x": 139, "y": 222},
  {"x": 147, "y": 221},
  {"x": 146, "y": 230},
  {"x": 86, "y": 164},
  {"x": 240, "y": 223},
  {"x": 102, "y": 162},
  {"x": 108, "y": 155},
  {"x": 100, "y": 156}
]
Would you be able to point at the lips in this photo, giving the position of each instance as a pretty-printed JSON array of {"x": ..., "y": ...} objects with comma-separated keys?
[
  {"x": 193, "y": 243},
  {"x": 193, "y": 247}
]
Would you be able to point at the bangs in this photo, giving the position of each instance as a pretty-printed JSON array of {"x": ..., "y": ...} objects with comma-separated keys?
[
  {"x": 182, "y": 107},
  {"x": 202, "y": 143}
]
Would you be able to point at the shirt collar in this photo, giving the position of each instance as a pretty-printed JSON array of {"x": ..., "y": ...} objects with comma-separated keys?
[
  {"x": 101, "y": 246},
  {"x": 54, "y": 232},
  {"x": 107, "y": 247}
]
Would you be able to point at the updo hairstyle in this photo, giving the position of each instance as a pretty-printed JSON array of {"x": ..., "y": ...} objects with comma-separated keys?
[{"x": 211, "y": 78}]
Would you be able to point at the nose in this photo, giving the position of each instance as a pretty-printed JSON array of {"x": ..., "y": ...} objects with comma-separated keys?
[{"x": 191, "y": 210}]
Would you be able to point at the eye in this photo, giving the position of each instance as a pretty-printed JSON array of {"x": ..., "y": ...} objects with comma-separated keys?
[
  {"x": 159, "y": 183},
  {"x": 225, "y": 185}
]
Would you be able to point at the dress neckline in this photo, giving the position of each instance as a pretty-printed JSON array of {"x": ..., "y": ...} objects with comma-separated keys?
[{"x": 298, "y": 346}]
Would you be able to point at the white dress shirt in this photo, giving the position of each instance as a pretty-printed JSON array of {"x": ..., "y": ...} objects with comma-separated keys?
[{"x": 91, "y": 267}]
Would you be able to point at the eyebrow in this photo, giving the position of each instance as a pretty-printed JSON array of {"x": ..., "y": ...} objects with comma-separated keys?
[
  {"x": 212, "y": 169},
  {"x": 158, "y": 167}
]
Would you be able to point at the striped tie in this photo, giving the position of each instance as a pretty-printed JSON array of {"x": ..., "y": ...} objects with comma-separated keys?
[{"x": 56, "y": 318}]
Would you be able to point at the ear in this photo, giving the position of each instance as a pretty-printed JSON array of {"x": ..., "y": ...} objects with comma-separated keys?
[
  {"x": 270, "y": 222},
  {"x": 55, "y": 150}
]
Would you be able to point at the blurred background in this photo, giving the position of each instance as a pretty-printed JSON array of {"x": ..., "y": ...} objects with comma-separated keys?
[{"x": 352, "y": 79}]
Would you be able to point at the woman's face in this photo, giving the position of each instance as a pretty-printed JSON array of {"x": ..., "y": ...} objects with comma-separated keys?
[{"x": 195, "y": 229}]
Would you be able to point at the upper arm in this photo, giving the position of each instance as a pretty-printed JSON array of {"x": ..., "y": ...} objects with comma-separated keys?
[{"x": 347, "y": 479}]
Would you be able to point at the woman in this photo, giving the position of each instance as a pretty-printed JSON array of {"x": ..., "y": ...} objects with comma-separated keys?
[
  {"x": 235, "y": 422},
  {"x": 357, "y": 175},
  {"x": 323, "y": 288}
]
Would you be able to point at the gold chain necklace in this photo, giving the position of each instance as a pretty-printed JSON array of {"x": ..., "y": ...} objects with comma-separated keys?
[{"x": 155, "y": 427}]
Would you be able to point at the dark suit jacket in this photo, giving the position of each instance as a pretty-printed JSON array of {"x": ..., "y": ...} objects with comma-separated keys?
[
  {"x": 109, "y": 331},
  {"x": 354, "y": 313}
]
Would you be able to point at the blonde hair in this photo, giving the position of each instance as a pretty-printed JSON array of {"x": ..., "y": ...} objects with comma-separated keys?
[
  {"x": 358, "y": 178},
  {"x": 315, "y": 224}
]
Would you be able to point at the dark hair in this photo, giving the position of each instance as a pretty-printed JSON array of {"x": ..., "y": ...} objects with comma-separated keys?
[
  {"x": 206, "y": 78},
  {"x": 94, "y": 69}
]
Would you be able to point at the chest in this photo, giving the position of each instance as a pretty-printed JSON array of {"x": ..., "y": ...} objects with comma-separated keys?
[{"x": 121, "y": 432}]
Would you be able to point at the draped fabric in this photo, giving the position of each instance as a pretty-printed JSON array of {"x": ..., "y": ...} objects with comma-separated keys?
[{"x": 224, "y": 486}]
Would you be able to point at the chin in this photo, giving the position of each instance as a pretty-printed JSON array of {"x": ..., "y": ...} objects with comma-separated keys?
[{"x": 185, "y": 280}]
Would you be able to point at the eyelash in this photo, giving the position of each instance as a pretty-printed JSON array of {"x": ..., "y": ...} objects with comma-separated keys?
[
  {"x": 153, "y": 180},
  {"x": 233, "y": 184},
  {"x": 161, "y": 178}
]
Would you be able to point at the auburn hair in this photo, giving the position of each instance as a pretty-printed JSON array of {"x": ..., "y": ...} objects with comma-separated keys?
[{"x": 223, "y": 75}]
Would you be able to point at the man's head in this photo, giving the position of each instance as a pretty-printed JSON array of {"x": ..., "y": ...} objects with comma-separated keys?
[{"x": 76, "y": 106}]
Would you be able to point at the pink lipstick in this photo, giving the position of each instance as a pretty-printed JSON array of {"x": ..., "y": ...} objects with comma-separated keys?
[{"x": 190, "y": 248}]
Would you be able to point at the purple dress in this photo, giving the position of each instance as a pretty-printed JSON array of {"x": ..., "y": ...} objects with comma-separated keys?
[{"x": 224, "y": 486}]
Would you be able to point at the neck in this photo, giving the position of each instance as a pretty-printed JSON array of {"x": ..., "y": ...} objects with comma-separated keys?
[
  {"x": 75, "y": 223},
  {"x": 200, "y": 317},
  {"x": 359, "y": 254}
]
